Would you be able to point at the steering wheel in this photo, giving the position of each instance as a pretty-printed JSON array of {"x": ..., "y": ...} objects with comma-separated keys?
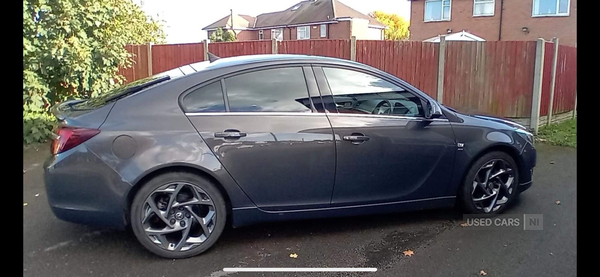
[{"x": 383, "y": 104}]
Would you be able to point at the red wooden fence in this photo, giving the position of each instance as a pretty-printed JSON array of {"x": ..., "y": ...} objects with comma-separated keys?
[
  {"x": 230, "y": 49},
  {"x": 566, "y": 79},
  {"x": 491, "y": 77},
  {"x": 413, "y": 61},
  {"x": 337, "y": 48}
]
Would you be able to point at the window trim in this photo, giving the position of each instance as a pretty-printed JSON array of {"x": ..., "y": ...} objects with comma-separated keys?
[
  {"x": 306, "y": 32},
  {"x": 261, "y": 35},
  {"x": 325, "y": 90},
  {"x": 485, "y": 2},
  {"x": 440, "y": 20},
  {"x": 280, "y": 29},
  {"x": 557, "y": 14},
  {"x": 323, "y": 31}
]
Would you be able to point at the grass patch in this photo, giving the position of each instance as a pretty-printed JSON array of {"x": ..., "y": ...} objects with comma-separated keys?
[{"x": 561, "y": 134}]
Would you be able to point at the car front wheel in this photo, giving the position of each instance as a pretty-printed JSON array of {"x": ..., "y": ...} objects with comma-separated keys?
[
  {"x": 490, "y": 184},
  {"x": 178, "y": 215}
]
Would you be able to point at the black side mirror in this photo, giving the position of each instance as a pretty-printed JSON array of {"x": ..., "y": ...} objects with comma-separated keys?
[{"x": 432, "y": 110}]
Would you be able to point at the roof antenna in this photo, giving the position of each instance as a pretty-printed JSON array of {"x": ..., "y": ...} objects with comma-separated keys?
[{"x": 212, "y": 57}]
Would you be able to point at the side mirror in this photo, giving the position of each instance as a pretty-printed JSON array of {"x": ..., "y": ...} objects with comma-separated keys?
[{"x": 432, "y": 110}]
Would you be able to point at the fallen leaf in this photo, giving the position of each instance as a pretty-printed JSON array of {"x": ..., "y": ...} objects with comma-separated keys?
[
  {"x": 294, "y": 255},
  {"x": 408, "y": 253},
  {"x": 37, "y": 194},
  {"x": 482, "y": 273},
  {"x": 541, "y": 139},
  {"x": 557, "y": 202},
  {"x": 464, "y": 224},
  {"x": 24, "y": 171},
  {"x": 24, "y": 204},
  {"x": 552, "y": 162}
]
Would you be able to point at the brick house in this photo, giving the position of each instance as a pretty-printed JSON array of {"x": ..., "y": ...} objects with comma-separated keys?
[
  {"x": 505, "y": 20},
  {"x": 311, "y": 19}
]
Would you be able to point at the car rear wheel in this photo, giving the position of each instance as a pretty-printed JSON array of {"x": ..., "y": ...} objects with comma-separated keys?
[
  {"x": 178, "y": 215},
  {"x": 490, "y": 184}
]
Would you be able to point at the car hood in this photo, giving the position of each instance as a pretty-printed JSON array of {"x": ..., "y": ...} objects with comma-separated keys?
[{"x": 500, "y": 120}]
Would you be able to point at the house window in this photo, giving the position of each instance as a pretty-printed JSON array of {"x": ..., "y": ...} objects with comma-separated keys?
[
  {"x": 303, "y": 32},
  {"x": 323, "y": 30},
  {"x": 277, "y": 34},
  {"x": 551, "y": 7},
  {"x": 484, "y": 7},
  {"x": 437, "y": 10},
  {"x": 261, "y": 35}
]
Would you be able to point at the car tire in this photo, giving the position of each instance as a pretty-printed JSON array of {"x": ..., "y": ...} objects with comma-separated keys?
[
  {"x": 472, "y": 190},
  {"x": 189, "y": 184}
]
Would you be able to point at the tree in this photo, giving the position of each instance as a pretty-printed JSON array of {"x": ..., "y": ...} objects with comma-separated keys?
[
  {"x": 222, "y": 36},
  {"x": 397, "y": 26},
  {"x": 73, "y": 49}
]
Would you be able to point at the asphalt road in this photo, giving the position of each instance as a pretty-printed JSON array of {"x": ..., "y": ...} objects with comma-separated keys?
[{"x": 441, "y": 246}]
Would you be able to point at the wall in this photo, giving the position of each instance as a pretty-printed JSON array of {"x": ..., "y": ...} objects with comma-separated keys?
[
  {"x": 517, "y": 14},
  {"x": 340, "y": 30},
  {"x": 359, "y": 28}
]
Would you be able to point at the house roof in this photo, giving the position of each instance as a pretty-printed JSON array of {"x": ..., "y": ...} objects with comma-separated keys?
[
  {"x": 240, "y": 21},
  {"x": 304, "y": 12},
  {"x": 459, "y": 36}
]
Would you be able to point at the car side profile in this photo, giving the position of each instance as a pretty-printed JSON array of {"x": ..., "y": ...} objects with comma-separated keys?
[{"x": 242, "y": 140}]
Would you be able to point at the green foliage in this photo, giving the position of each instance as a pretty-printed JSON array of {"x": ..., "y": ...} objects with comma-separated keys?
[
  {"x": 397, "y": 26},
  {"x": 37, "y": 127},
  {"x": 73, "y": 49},
  {"x": 561, "y": 134},
  {"x": 222, "y": 36}
]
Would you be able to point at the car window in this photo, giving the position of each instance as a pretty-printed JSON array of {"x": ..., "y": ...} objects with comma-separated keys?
[
  {"x": 270, "y": 90},
  {"x": 361, "y": 93},
  {"x": 208, "y": 98}
]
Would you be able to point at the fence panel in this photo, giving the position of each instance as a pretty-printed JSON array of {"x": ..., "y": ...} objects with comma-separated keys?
[
  {"x": 413, "y": 61},
  {"x": 139, "y": 67},
  {"x": 168, "y": 56},
  {"x": 230, "y": 49},
  {"x": 337, "y": 48},
  {"x": 566, "y": 80},
  {"x": 492, "y": 77}
]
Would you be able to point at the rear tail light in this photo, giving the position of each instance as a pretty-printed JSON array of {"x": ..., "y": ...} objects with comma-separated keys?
[{"x": 69, "y": 137}]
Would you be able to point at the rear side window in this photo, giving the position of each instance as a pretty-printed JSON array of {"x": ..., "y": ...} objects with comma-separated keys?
[
  {"x": 270, "y": 90},
  {"x": 208, "y": 98}
]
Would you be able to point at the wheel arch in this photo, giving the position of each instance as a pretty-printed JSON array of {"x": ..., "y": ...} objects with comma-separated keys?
[{"x": 194, "y": 169}]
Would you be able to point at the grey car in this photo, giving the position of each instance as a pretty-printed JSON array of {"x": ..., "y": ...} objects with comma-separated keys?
[{"x": 237, "y": 141}]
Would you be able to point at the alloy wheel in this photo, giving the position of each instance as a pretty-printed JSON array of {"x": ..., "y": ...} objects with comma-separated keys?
[
  {"x": 178, "y": 216},
  {"x": 493, "y": 185}
]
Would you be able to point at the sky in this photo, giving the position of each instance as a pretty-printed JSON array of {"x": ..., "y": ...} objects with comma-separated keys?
[{"x": 184, "y": 19}]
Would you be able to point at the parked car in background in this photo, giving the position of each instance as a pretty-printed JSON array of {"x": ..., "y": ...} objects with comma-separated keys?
[{"x": 250, "y": 139}]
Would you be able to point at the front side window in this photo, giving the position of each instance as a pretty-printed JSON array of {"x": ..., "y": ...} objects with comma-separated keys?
[
  {"x": 437, "y": 10},
  {"x": 360, "y": 93},
  {"x": 484, "y": 7},
  {"x": 208, "y": 98},
  {"x": 270, "y": 90},
  {"x": 303, "y": 32},
  {"x": 323, "y": 30},
  {"x": 550, "y": 7},
  {"x": 277, "y": 34}
]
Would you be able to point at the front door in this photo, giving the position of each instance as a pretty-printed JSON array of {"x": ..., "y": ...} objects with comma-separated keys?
[
  {"x": 386, "y": 150},
  {"x": 268, "y": 136}
]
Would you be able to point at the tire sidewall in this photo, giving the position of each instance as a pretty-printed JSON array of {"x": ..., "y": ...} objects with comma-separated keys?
[
  {"x": 158, "y": 181},
  {"x": 465, "y": 193}
]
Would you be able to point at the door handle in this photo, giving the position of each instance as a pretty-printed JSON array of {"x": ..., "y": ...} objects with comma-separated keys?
[
  {"x": 356, "y": 138},
  {"x": 230, "y": 133}
]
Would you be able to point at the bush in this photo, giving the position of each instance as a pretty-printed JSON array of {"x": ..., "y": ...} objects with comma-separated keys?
[{"x": 37, "y": 127}]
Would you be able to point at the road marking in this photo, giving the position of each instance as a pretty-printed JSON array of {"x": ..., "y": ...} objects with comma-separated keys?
[{"x": 300, "y": 269}]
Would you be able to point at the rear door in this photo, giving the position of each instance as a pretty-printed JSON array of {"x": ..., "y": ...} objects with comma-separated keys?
[
  {"x": 263, "y": 127},
  {"x": 386, "y": 150}
]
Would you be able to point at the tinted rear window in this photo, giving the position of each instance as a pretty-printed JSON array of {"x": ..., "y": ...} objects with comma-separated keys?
[
  {"x": 270, "y": 90},
  {"x": 208, "y": 98}
]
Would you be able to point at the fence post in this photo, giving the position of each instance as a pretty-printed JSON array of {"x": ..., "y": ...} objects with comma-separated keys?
[
  {"x": 441, "y": 65},
  {"x": 274, "y": 46},
  {"x": 353, "y": 48},
  {"x": 553, "y": 81},
  {"x": 538, "y": 75},
  {"x": 205, "y": 45},
  {"x": 575, "y": 108},
  {"x": 149, "y": 49}
]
